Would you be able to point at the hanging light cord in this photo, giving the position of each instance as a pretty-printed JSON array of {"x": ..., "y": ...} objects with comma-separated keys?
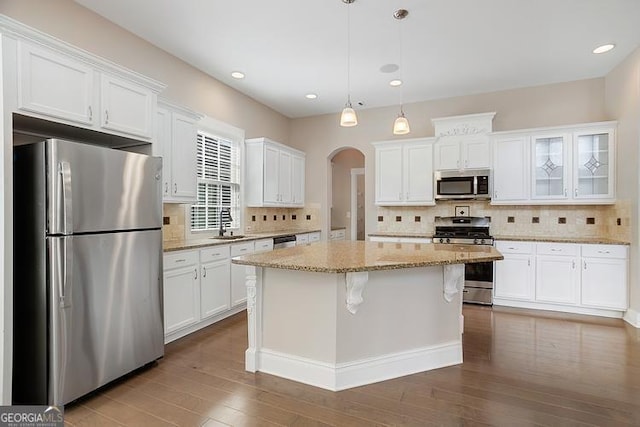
[{"x": 349, "y": 54}]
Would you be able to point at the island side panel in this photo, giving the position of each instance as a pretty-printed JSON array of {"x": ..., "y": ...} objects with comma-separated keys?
[
  {"x": 299, "y": 314},
  {"x": 403, "y": 310}
]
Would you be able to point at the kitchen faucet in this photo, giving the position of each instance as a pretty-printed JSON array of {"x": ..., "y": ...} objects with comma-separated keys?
[{"x": 228, "y": 219}]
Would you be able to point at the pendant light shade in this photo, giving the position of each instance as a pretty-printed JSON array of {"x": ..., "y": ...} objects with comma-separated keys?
[
  {"x": 401, "y": 125},
  {"x": 348, "y": 117}
]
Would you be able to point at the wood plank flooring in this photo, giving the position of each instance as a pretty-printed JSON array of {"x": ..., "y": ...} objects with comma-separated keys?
[{"x": 521, "y": 368}]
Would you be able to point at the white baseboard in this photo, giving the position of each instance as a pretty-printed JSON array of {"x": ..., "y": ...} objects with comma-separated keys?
[
  {"x": 632, "y": 317},
  {"x": 616, "y": 314},
  {"x": 341, "y": 376}
]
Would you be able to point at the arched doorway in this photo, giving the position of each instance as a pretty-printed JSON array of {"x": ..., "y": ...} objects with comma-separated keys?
[{"x": 347, "y": 207}]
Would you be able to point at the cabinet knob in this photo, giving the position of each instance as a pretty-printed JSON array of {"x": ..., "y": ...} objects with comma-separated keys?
[
  {"x": 575, "y": 192},
  {"x": 90, "y": 114},
  {"x": 196, "y": 272},
  {"x": 204, "y": 271},
  {"x": 565, "y": 192},
  {"x": 106, "y": 117},
  {"x": 175, "y": 187}
]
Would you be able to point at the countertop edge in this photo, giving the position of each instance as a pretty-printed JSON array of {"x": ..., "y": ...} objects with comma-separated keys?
[
  {"x": 576, "y": 240},
  {"x": 183, "y": 245},
  {"x": 397, "y": 266}
]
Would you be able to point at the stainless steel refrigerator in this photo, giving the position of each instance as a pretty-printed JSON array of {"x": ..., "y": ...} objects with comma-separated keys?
[{"x": 87, "y": 268}]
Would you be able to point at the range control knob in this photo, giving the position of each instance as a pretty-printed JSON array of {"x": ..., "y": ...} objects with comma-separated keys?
[
  {"x": 482, "y": 241},
  {"x": 475, "y": 241},
  {"x": 441, "y": 240},
  {"x": 448, "y": 240}
]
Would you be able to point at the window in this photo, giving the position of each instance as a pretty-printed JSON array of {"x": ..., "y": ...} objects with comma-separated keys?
[{"x": 218, "y": 183}]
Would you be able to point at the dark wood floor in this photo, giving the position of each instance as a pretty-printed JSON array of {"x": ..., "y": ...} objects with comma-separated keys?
[{"x": 520, "y": 368}]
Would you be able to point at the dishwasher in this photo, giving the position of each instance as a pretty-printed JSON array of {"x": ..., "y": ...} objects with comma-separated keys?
[{"x": 288, "y": 241}]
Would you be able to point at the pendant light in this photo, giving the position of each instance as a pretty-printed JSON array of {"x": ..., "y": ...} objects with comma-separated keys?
[
  {"x": 401, "y": 125},
  {"x": 348, "y": 117}
]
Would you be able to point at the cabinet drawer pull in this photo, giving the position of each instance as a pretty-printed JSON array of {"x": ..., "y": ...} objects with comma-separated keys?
[
  {"x": 175, "y": 188},
  {"x": 585, "y": 265},
  {"x": 573, "y": 265},
  {"x": 575, "y": 192},
  {"x": 511, "y": 248},
  {"x": 204, "y": 271},
  {"x": 556, "y": 250},
  {"x": 90, "y": 114},
  {"x": 106, "y": 117},
  {"x": 604, "y": 252},
  {"x": 166, "y": 188},
  {"x": 181, "y": 260},
  {"x": 196, "y": 271}
]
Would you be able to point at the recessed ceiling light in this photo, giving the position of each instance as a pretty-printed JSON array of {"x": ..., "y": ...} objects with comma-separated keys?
[
  {"x": 395, "y": 82},
  {"x": 311, "y": 96},
  {"x": 237, "y": 75},
  {"x": 604, "y": 48}
]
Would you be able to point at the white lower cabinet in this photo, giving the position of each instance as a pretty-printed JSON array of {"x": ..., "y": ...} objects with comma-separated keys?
[
  {"x": 604, "y": 277},
  {"x": 339, "y": 234},
  {"x": 587, "y": 279},
  {"x": 515, "y": 275},
  {"x": 557, "y": 277},
  {"x": 304, "y": 238},
  {"x": 202, "y": 286},
  {"x": 181, "y": 291}
]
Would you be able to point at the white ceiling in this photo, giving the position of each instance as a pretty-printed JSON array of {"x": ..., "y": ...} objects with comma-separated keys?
[{"x": 289, "y": 48}]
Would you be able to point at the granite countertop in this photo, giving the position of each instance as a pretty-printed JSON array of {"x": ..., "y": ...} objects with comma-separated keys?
[
  {"x": 179, "y": 245},
  {"x": 556, "y": 239},
  {"x": 350, "y": 256},
  {"x": 400, "y": 234}
]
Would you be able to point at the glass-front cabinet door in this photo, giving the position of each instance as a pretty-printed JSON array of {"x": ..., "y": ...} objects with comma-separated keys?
[
  {"x": 550, "y": 161},
  {"x": 593, "y": 164}
]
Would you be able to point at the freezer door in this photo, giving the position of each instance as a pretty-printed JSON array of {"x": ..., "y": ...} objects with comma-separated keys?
[
  {"x": 93, "y": 189},
  {"x": 106, "y": 315}
]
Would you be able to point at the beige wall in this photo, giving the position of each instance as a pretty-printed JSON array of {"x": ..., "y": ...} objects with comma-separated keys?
[
  {"x": 622, "y": 86},
  {"x": 70, "y": 22},
  {"x": 321, "y": 136}
]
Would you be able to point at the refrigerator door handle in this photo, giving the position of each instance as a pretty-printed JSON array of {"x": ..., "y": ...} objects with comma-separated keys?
[
  {"x": 64, "y": 169},
  {"x": 62, "y": 272}
]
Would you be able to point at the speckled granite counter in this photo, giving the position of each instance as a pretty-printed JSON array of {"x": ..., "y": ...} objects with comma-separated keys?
[
  {"x": 179, "y": 245},
  {"x": 553, "y": 239},
  {"x": 350, "y": 256}
]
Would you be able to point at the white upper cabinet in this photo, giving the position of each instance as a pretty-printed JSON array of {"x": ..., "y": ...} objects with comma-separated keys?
[
  {"x": 404, "y": 172},
  {"x": 565, "y": 165},
  {"x": 126, "y": 107},
  {"x": 274, "y": 174},
  {"x": 176, "y": 143},
  {"x": 551, "y": 160},
  {"x": 62, "y": 84},
  {"x": 594, "y": 164},
  {"x": 463, "y": 142},
  {"x": 510, "y": 169},
  {"x": 69, "y": 98},
  {"x": 465, "y": 152}
]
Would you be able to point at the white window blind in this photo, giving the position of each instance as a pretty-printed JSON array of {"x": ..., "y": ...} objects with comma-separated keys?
[{"x": 218, "y": 170}]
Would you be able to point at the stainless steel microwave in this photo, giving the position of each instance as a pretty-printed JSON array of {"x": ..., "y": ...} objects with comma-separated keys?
[{"x": 467, "y": 184}]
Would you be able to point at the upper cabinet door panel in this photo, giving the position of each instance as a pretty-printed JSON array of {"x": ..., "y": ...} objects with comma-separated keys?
[
  {"x": 418, "y": 177},
  {"x": 594, "y": 164},
  {"x": 476, "y": 153},
  {"x": 284, "y": 177},
  {"x": 183, "y": 157},
  {"x": 510, "y": 162},
  {"x": 551, "y": 162},
  {"x": 55, "y": 85},
  {"x": 389, "y": 174},
  {"x": 271, "y": 174},
  {"x": 126, "y": 107},
  {"x": 447, "y": 155}
]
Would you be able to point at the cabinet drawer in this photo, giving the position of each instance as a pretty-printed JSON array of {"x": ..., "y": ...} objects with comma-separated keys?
[
  {"x": 605, "y": 251},
  {"x": 507, "y": 247},
  {"x": 180, "y": 259},
  {"x": 264, "y": 245},
  {"x": 242, "y": 249},
  {"x": 314, "y": 237},
  {"x": 558, "y": 249},
  {"x": 214, "y": 253}
]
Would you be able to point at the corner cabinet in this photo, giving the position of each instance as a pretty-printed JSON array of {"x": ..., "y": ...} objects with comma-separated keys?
[
  {"x": 73, "y": 87},
  {"x": 404, "y": 172},
  {"x": 560, "y": 165},
  {"x": 176, "y": 143},
  {"x": 274, "y": 174}
]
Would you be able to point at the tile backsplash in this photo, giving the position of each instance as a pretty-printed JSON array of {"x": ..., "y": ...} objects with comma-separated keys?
[
  {"x": 256, "y": 220},
  {"x": 610, "y": 221}
]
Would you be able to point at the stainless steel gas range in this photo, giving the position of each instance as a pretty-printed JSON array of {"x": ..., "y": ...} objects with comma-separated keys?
[{"x": 465, "y": 230}]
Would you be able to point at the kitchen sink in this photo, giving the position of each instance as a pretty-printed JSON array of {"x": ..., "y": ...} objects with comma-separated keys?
[{"x": 234, "y": 237}]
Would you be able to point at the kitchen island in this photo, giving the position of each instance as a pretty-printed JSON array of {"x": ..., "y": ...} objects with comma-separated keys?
[{"x": 341, "y": 314}]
